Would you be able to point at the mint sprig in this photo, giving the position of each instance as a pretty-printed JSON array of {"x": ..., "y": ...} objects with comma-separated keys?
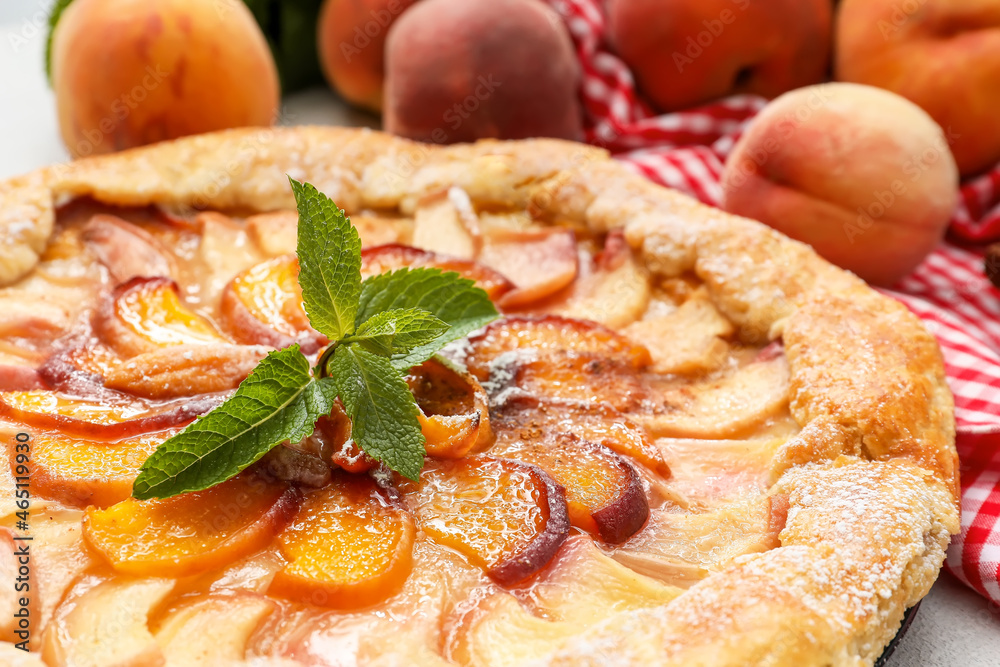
[{"x": 378, "y": 329}]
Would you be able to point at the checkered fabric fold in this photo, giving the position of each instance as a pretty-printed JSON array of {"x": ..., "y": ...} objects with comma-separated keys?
[{"x": 949, "y": 291}]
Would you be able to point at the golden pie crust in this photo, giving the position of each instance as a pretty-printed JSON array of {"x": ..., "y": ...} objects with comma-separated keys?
[{"x": 871, "y": 477}]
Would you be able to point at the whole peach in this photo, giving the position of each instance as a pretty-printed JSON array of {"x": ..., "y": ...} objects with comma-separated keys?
[
  {"x": 943, "y": 55},
  {"x": 861, "y": 174},
  {"x": 687, "y": 52},
  {"x": 351, "y": 39},
  {"x": 460, "y": 70},
  {"x": 133, "y": 72}
]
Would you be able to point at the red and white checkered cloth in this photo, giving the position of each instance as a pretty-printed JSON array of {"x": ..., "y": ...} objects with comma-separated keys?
[{"x": 948, "y": 291}]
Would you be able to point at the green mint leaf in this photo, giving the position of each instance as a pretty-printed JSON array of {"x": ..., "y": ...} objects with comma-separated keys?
[
  {"x": 398, "y": 331},
  {"x": 382, "y": 410},
  {"x": 329, "y": 251},
  {"x": 279, "y": 401},
  {"x": 54, "y": 16},
  {"x": 447, "y": 296}
]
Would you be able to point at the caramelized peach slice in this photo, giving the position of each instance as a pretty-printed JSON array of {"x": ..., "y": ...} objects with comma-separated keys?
[
  {"x": 84, "y": 472},
  {"x": 104, "y": 622},
  {"x": 146, "y": 314},
  {"x": 185, "y": 370},
  {"x": 530, "y": 416},
  {"x": 193, "y": 532},
  {"x": 604, "y": 494},
  {"x": 682, "y": 548},
  {"x": 385, "y": 258},
  {"x": 584, "y": 377},
  {"x": 454, "y": 411},
  {"x": 689, "y": 340},
  {"x": 264, "y": 305},
  {"x": 188, "y": 638},
  {"x": 549, "y": 337},
  {"x": 108, "y": 417},
  {"x": 509, "y": 518},
  {"x": 17, "y": 377},
  {"x": 331, "y": 441},
  {"x": 613, "y": 289},
  {"x": 539, "y": 262},
  {"x": 350, "y": 546},
  {"x": 79, "y": 369},
  {"x": 125, "y": 249}
]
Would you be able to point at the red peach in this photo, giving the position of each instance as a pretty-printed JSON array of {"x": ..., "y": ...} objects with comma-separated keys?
[
  {"x": 943, "y": 55},
  {"x": 861, "y": 174},
  {"x": 351, "y": 39},
  {"x": 461, "y": 70},
  {"x": 687, "y": 52},
  {"x": 133, "y": 72}
]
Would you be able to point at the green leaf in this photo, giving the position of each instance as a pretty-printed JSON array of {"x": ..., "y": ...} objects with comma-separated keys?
[
  {"x": 447, "y": 296},
  {"x": 57, "y": 9},
  {"x": 382, "y": 410},
  {"x": 329, "y": 251},
  {"x": 398, "y": 331},
  {"x": 279, "y": 401}
]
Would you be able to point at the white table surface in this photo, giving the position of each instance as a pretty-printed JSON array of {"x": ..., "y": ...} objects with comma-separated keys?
[{"x": 954, "y": 626}]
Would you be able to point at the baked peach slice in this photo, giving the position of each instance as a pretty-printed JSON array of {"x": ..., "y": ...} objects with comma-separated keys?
[
  {"x": 187, "y": 638},
  {"x": 331, "y": 441},
  {"x": 193, "y": 532},
  {"x": 604, "y": 494},
  {"x": 728, "y": 407},
  {"x": 386, "y": 258},
  {"x": 350, "y": 546},
  {"x": 454, "y": 410},
  {"x": 523, "y": 415},
  {"x": 105, "y": 622},
  {"x": 612, "y": 289},
  {"x": 145, "y": 314},
  {"x": 185, "y": 370},
  {"x": 125, "y": 249},
  {"x": 109, "y": 417},
  {"x": 507, "y": 517},
  {"x": 548, "y": 337},
  {"x": 80, "y": 472},
  {"x": 681, "y": 548},
  {"x": 689, "y": 340},
  {"x": 540, "y": 262},
  {"x": 263, "y": 305}
]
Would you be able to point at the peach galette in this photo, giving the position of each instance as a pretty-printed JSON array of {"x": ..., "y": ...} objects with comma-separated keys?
[{"x": 686, "y": 439}]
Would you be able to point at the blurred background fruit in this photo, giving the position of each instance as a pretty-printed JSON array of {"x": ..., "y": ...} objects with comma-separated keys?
[
  {"x": 687, "y": 52},
  {"x": 351, "y": 39},
  {"x": 133, "y": 72},
  {"x": 460, "y": 70},
  {"x": 861, "y": 174},
  {"x": 944, "y": 55},
  {"x": 290, "y": 29}
]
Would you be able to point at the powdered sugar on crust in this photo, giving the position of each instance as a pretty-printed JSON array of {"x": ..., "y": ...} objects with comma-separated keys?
[{"x": 863, "y": 541}]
